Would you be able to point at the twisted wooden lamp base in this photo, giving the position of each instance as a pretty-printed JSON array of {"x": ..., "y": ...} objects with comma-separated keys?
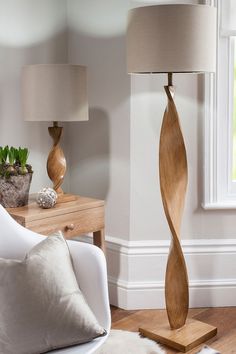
[
  {"x": 173, "y": 183},
  {"x": 181, "y": 335},
  {"x": 56, "y": 164}
]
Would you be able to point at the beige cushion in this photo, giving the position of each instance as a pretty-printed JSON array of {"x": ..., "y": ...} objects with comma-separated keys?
[{"x": 41, "y": 305}]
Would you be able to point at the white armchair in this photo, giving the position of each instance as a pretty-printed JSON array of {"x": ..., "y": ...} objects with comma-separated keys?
[{"x": 90, "y": 268}]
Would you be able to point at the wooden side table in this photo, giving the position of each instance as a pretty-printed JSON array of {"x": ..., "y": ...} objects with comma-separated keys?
[{"x": 73, "y": 218}]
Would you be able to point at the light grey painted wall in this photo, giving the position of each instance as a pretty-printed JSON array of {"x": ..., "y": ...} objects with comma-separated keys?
[
  {"x": 148, "y": 100},
  {"x": 114, "y": 155},
  {"x": 31, "y": 31},
  {"x": 99, "y": 164},
  {"x": 148, "y": 104},
  {"x": 99, "y": 150},
  {"x": 147, "y": 216},
  {"x": 92, "y": 43}
]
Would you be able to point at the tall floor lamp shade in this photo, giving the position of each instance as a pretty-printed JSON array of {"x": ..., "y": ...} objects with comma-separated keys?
[
  {"x": 173, "y": 39},
  {"x": 56, "y": 93}
]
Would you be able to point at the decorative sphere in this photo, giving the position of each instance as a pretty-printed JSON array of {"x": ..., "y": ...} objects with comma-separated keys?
[{"x": 46, "y": 198}]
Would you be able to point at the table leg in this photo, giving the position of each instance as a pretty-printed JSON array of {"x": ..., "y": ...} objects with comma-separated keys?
[{"x": 99, "y": 239}]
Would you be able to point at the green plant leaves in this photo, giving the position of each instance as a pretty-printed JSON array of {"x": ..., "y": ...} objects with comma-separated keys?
[
  {"x": 3, "y": 154},
  {"x": 11, "y": 155},
  {"x": 23, "y": 156},
  {"x": 13, "y": 161}
]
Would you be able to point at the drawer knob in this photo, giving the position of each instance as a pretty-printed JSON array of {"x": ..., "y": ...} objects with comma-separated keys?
[{"x": 70, "y": 227}]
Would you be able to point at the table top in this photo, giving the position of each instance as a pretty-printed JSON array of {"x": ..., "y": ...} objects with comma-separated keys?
[{"x": 33, "y": 212}]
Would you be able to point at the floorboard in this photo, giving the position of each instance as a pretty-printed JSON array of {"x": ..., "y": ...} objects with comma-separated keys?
[{"x": 223, "y": 318}]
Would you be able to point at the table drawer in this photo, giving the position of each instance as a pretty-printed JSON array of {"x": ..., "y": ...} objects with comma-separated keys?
[{"x": 71, "y": 224}]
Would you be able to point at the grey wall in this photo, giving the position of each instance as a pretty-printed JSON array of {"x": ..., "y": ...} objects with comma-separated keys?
[
  {"x": 100, "y": 149},
  {"x": 147, "y": 216},
  {"x": 148, "y": 101},
  {"x": 114, "y": 155},
  {"x": 97, "y": 151},
  {"x": 31, "y": 31},
  {"x": 100, "y": 161}
]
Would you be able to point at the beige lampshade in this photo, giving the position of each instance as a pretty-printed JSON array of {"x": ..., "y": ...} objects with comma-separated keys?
[
  {"x": 55, "y": 92},
  {"x": 171, "y": 38}
]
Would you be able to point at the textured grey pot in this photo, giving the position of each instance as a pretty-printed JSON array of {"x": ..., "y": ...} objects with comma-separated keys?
[{"x": 14, "y": 191}]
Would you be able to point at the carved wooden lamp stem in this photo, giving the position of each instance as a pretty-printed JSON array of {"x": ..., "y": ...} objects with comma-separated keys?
[
  {"x": 56, "y": 163},
  {"x": 173, "y": 183}
]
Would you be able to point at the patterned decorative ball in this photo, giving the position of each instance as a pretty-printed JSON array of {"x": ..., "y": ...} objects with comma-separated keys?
[{"x": 46, "y": 198}]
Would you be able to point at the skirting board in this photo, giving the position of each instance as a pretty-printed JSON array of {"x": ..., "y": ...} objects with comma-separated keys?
[{"x": 136, "y": 271}]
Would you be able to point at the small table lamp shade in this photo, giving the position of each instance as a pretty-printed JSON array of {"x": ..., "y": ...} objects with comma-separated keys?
[
  {"x": 55, "y": 92},
  {"x": 171, "y": 38}
]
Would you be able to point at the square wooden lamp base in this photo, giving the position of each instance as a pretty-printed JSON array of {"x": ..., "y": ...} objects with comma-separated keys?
[
  {"x": 64, "y": 198},
  {"x": 183, "y": 339}
]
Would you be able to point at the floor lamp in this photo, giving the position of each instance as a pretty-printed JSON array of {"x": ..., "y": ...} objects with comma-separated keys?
[{"x": 173, "y": 39}]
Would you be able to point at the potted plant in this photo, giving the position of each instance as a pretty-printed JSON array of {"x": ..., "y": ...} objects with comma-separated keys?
[{"x": 15, "y": 176}]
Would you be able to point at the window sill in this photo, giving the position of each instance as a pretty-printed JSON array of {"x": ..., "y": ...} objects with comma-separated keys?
[{"x": 219, "y": 205}]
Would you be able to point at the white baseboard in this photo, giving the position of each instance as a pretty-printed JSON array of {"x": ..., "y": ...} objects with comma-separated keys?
[{"x": 136, "y": 271}]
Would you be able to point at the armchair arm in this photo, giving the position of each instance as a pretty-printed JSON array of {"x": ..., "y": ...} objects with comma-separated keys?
[
  {"x": 91, "y": 272},
  {"x": 89, "y": 265}
]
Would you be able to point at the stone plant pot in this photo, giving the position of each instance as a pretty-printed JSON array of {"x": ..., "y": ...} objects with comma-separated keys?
[{"x": 14, "y": 191}]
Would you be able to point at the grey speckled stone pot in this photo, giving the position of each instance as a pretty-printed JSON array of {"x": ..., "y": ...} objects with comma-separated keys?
[{"x": 14, "y": 191}]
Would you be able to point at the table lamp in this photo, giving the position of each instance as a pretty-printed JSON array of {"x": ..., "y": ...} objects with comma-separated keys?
[
  {"x": 173, "y": 39},
  {"x": 55, "y": 93}
]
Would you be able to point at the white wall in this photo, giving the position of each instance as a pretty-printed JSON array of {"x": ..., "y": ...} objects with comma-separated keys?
[
  {"x": 31, "y": 31},
  {"x": 148, "y": 102},
  {"x": 114, "y": 155},
  {"x": 100, "y": 149}
]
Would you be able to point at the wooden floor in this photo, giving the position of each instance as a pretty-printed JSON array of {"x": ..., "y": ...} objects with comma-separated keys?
[{"x": 223, "y": 318}]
